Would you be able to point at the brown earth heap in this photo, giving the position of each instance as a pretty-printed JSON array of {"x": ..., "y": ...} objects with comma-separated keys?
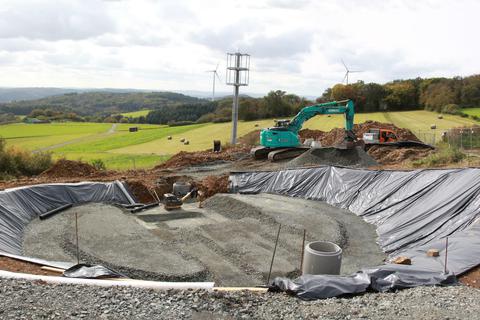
[
  {"x": 212, "y": 185},
  {"x": 393, "y": 155},
  {"x": 67, "y": 168},
  {"x": 140, "y": 191},
  {"x": 335, "y": 136},
  {"x": 385, "y": 155},
  {"x": 184, "y": 158}
]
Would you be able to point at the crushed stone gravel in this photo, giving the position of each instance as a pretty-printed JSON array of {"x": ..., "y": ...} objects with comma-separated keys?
[{"x": 38, "y": 300}]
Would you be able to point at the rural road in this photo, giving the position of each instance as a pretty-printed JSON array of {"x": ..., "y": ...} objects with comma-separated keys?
[{"x": 112, "y": 130}]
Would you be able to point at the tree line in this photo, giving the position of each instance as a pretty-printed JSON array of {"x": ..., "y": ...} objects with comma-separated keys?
[{"x": 447, "y": 95}]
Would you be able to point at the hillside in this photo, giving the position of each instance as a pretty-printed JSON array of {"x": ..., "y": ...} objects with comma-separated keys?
[
  {"x": 95, "y": 103},
  {"x": 120, "y": 149}
]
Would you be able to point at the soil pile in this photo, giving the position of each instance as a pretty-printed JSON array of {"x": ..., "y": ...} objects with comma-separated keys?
[
  {"x": 67, "y": 168},
  {"x": 394, "y": 155},
  {"x": 212, "y": 185},
  {"x": 140, "y": 191},
  {"x": 183, "y": 158},
  {"x": 336, "y": 136},
  {"x": 250, "y": 139},
  {"x": 355, "y": 158}
]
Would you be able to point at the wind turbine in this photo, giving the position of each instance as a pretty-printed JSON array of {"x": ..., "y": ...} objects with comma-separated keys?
[
  {"x": 214, "y": 74},
  {"x": 348, "y": 71}
]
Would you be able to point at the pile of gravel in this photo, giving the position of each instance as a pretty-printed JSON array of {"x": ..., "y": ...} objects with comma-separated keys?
[
  {"x": 34, "y": 300},
  {"x": 355, "y": 158}
]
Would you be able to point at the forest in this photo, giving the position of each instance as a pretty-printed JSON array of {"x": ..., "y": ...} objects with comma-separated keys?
[{"x": 444, "y": 95}]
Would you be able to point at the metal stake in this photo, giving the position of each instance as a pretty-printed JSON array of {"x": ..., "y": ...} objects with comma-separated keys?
[
  {"x": 76, "y": 234},
  {"x": 303, "y": 250},
  {"x": 446, "y": 255},
  {"x": 273, "y": 256}
]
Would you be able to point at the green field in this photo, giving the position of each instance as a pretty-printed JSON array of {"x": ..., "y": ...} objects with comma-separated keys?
[
  {"x": 471, "y": 111},
  {"x": 121, "y": 149},
  {"x": 136, "y": 114}
]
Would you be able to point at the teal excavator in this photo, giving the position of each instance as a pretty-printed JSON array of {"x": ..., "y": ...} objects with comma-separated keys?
[{"x": 282, "y": 141}]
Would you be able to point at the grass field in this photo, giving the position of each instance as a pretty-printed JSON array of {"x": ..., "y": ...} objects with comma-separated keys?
[
  {"x": 471, "y": 111},
  {"x": 135, "y": 114},
  {"x": 121, "y": 149}
]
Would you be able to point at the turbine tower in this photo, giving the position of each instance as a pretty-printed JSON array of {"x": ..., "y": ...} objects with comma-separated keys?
[
  {"x": 348, "y": 71},
  {"x": 214, "y": 75}
]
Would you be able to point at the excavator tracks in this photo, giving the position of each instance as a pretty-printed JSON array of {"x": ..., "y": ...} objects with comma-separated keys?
[{"x": 276, "y": 154}]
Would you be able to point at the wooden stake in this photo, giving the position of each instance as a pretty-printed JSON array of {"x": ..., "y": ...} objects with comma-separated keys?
[
  {"x": 303, "y": 251},
  {"x": 273, "y": 256},
  {"x": 76, "y": 234},
  {"x": 446, "y": 255}
]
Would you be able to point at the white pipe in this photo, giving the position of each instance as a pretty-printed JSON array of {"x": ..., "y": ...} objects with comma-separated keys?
[{"x": 109, "y": 283}]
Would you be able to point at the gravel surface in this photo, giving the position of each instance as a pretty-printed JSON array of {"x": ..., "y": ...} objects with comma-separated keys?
[
  {"x": 30, "y": 300},
  {"x": 354, "y": 158},
  {"x": 230, "y": 241}
]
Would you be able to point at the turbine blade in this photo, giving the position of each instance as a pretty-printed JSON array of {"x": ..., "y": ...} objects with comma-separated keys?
[
  {"x": 344, "y": 64},
  {"x": 345, "y": 77},
  {"x": 217, "y": 66},
  {"x": 355, "y": 71},
  {"x": 216, "y": 73}
]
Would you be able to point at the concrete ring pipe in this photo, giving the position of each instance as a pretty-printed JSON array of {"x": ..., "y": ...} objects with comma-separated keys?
[{"x": 322, "y": 257}]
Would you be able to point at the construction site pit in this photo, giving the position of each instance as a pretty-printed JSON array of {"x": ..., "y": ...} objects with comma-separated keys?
[{"x": 230, "y": 240}]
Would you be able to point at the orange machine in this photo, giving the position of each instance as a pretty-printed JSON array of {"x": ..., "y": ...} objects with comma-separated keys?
[{"x": 379, "y": 136}]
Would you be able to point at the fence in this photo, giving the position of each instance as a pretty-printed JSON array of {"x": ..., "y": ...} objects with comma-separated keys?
[{"x": 462, "y": 138}]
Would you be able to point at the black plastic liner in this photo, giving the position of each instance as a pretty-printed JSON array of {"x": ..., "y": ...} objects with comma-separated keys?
[
  {"x": 87, "y": 271},
  {"x": 18, "y": 206},
  {"x": 413, "y": 211}
]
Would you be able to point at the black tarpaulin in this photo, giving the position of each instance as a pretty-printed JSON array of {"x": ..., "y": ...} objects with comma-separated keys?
[
  {"x": 18, "y": 206},
  {"x": 412, "y": 210}
]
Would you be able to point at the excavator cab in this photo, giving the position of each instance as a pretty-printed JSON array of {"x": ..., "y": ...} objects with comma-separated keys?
[{"x": 281, "y": 124}]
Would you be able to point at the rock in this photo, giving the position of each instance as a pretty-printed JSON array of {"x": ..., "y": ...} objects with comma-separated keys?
[{"x": 402, "y": 260}]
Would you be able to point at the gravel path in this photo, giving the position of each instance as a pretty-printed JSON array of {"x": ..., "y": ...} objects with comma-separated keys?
[{"x": 28, "y": 300}]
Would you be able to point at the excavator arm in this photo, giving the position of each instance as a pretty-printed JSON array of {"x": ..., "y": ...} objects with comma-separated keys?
[
  {"x": 283, "y": 140},
  {"x": 336, "y": 107}
]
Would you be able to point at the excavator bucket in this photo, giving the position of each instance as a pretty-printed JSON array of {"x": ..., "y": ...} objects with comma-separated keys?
[{"x": 350, "y": 141}]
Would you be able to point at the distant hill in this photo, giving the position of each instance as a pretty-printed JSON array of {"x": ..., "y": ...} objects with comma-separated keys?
[
  {"x": 16, "y": 94},
  {"x": 98, "y": 103}
]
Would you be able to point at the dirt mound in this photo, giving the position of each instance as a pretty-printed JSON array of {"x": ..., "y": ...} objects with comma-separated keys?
[
  {"x": 250, "y": 139},
  {"x": 336, "y": 135},
  {"x": 356, "y": 158},
  {"x": 212, "y": 185},
  {"x": 68, "y": 168},
  {"x": 184, "y": 159},
  {"x": 140, "y": 191},
  {"x": 393, "y": 155}
]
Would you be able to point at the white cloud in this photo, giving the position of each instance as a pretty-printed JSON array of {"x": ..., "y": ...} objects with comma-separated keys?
[
  {"x": 295, "y": 45},
  {"x": 54, "y": 20}
]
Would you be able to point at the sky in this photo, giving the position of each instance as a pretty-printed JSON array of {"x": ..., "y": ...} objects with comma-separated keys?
[{"x": 295, "y": 45}]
